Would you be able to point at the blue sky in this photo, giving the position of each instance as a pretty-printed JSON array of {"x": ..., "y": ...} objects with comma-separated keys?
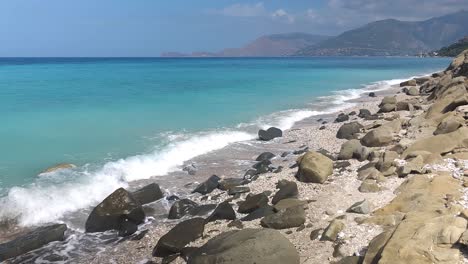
[{"x": 149, "y": 27}]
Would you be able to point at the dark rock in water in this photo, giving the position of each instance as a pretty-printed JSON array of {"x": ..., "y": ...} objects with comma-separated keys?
[
  {"x": 259, "y": 213},
  {"x": 224, "y": 211},
  {"x": 262, "y": 166},
  {"x": 203, "y": 209},
  {"x": 341, "y": 118},
  {"x": 324, "y": 122},
  {"x": 32, "y": 240},
  {"x": 139, "y": 235},
  {"x": 363, "y": 113},
  {"x": 113, "y": 210},
  {"x": 172, "y": 198},
  {"x": 301, "y": 151},
  {"x": 320, "y": 120},
  {"x": 252, "y": 203},
  {"x": 285, "y": 154},
  {"x": 269, "y": 134},
  {"x": 265, "y": 156},
  {"x": 372, "y": 94},
  {"x": 238, "y": 189},
  {"x": 250, "y": 174},
  {"x": 287, "y": 218},
  {"x": 190, "y": 169},
  {"x": 322, "y": 127},
  {"x": 278, "y": 170},
  {"x": 127, "y": 228},
  {"x": 208, "y": 186},
  {"x": 181, "y": 208},
  {"x": 287, "y": 189},
  {"x": 228, "y": 183},
  {"x": 349, "y": 130},
  {"x": 148, "y": 194},
  {"x": 352, "y": 113},
  {"x": 179, "y": 236},
  {"x": 259, "y": 246}
]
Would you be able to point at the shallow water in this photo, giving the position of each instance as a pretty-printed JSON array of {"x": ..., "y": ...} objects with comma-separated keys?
[{"x": 122, "y": 120}]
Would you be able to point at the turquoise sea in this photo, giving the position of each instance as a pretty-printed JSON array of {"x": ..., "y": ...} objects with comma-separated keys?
[{"x": 124, "y": 119}]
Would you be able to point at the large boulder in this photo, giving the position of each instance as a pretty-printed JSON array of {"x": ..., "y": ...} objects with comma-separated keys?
[
  {"x": 449, "y": 124},
  {"x": 148, "y": 194},
  {"x": 223, "y": 211},
  {"x": 353, "y": 149},
  {"x": 286, "y": 218},
  {"x": 32, "y": 240},
  {"x": 386, "y": 108},
  {"x": 117, "y": 207},
  {"x": 179, "y": 236},
  {"x": 182, "y": 207},
  {"x": 440, "y": 144},
  {"x": 349, "y": 130},
  {"x": 314, "y": 167},
  {"x": 259, "y": 246},
  {"x": 382, "y": 135},
  {"x": 207, "y": 186},
  {"x": 269, "y": 134}
]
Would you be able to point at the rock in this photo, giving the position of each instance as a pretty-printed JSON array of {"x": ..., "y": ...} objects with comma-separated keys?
[
  {"x": 353, "y": 149},
  {"x": 382, "y": 135},
  {"x": 413, "y": 91},
  {"x": 341, "y": 118},
  {"x": 449, "y": 124},
  {"x": 287, "y": 218},
  {"x": 388, "y": 100},
  {"x": 223, "y": 211},
  {"x": 265, "y": 156},
  {"x": 228, "y": 183},
  {"x": 372, "y": 94},
  {"x": 352, "y": 113},
  {"x": 109, "y": 214},
  {"x": 361, "y": 207},
  {"x": 259, "y": 213},
  {"x": 148, "y": 194},
  {"x": 238, "y": 189},
  {"x": 413, "y": 165},
  {"x": 250, "y": 175},
  {"x": 315, "y": 234},
  {"x": 181, "y": 208},
  {"x": 371, "y": 173},
  {"x": 333, "y": 229},
  {"x": 301, "y": 151},
  {"x": 262, "y": 166},
  {"x": 207, "y": 186},
  {"x": 259, "y": 246},
  {"x": 422, "y": 80},
  {"x": 287, "y": 203},
  {"x": 341, "y": 165},
  {"x": 287, "y": 189},
  {"x": 190, "y": 169},
  {"x": 349, "y": 130},
  {"x": 179, "y": 236},
  {"x": 252, "y": 203},
  {"x": 127, "y": 228},
  {"x": 269, "y": 134},
  {"x": 35, "y": 239},
  {"x": 363, "y": 113},
  {"x": 440, "y": 144},
  {"x": 386, "y": 161},
  {"x": 61, "y": 166},
  {"x": 314, "y": 167},
  {"x": 369, "y": 186},
  {"x": 278, "y": 170},
  {"x": 350, "y": 260},
  {"x": 463, "y": 239},
  {"x": 404, "y": 106},
  {"x": 386, "y": 108},
  {"x": 411, "y": 82}
]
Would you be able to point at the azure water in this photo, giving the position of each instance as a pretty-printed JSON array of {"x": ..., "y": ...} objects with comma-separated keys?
[{"x": 125, "y": 119}]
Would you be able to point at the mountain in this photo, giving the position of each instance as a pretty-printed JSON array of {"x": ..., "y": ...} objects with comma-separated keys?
[
  {"x": 454, "y": 49},
  {"x": 276, "y": 45},
  {"x": 393, "y": 37}
]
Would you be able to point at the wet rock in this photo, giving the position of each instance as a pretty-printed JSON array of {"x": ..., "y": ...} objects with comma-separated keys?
[
  {"x": 262, "y": 166},
  {"x": 301, "y": 151},
  {"x": 228, "y": 183},
  {"x": 287, "y": 218},
  {"x": 179, "y": 236},
  {"x": 35, "y": 239},
  {"x": 314, "y": 167},
  {"x": 352, "y": 113},
  {"x": 109, "y": 214},
  {"x": 252, "y": 203},
  {"x": 223, "y": 211},
  {"x": 287, "y": 189},
  {"x": 61, "y": 166},
  {"x": 349, "y": 130},
  {"x": 181, "y": 208},
  {"x": 208, "y": 186},
  {"x": 333, "y": 229},
  {"x": 127, "y": 228},
  {"x": 372, "y": 94},
  {"x": 269, "y": 134},
  {"x": 148, "y": 194},
  {"x": 190, "y": 169},
  {"x": 238, "y": 189},
  {"x": 251, "y": 175},
  {"x": 259, "y": 246},
  {"x": 361, "y": 207},
  {"x": 259, "y": 213},
  {"x": 265, "y": 156},
  {"x": 278, "y": 170},
  {"x": 341, "y": 118}
]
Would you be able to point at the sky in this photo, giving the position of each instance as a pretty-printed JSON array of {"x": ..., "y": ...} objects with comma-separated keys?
[{"x": 113, "y": 28}]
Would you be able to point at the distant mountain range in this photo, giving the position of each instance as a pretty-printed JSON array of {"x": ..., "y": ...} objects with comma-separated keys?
[
  {"x": 454, "y": 49},
  {"x": 388, "y": 37}
]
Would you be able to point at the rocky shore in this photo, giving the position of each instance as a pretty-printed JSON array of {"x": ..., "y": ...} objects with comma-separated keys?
[{"x": 383, "y": 182}]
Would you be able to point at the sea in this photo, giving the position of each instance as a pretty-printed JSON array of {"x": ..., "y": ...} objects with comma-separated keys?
[{"x": 125, "y": 120}]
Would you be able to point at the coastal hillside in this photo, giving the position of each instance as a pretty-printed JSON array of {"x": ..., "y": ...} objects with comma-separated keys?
[
  {"x": 276, "y": 45},
  {"x": 454, "y": 49},
  {"x": 392, "y": 37}
]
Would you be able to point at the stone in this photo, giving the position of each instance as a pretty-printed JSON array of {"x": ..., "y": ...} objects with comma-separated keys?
[
  {"x": 148, "y": 194},
  {"x": 259, "y": 213},
  {"x": 259, "y": 246},
  {"x": 207, "y": 186},
  {"x": 58, "y": 167},
  {"x": 35, "y": 239},
  {"x": 315, "y": 234},
  {"x": 252, "y": 203},
  {"x": 238, "y": 189},
  {"x": 227, "y": 183},
  {"x": 265, "y": 156},
  {"x": 179, "y": 236},
  {"x": 464, "y": 239},
  {"x": 372, "y": 94},
  {"x": 116, "y": 207},
  {"x": 382, "y": 135},
  {"x": 341, "y": 118},
  {"x": 270, "y": 133},
  {"x": 333, "y": 229},
  {"x": 448, "y": 125},
  {"x": 361, "y": 207},
  {"x": 190, "y": 169},
  {"x": 287, "y": 218},
  {"x": 287, "y": 189},
  {"x": 287, "y": 203},
  {"x": 353, "y": 149},
  {"x": 223, "y": 211},
  {"x": 386, "y": 161},
  {"x": 182, "y": 207},
  {"x": 413, "y": 165},
  {"x": 262, "y": 166},
  {"x": 363, "y": 113},
  {"x": 236, "y": 223},
  {"x": 371, "y": 173},
  {"x": 369, "y": 186},
  {"x": 127, "y": 228},
  {"x": 386, "y": 108},
  {"x": 411, "y": 82},
  {"x": 440, "y": 144},
  {"x": 388, "y": 100},
  {"x": 349, "y": 130},
  {"x": 314, "y": 167},
  {"x": 413, "y": 91}
]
